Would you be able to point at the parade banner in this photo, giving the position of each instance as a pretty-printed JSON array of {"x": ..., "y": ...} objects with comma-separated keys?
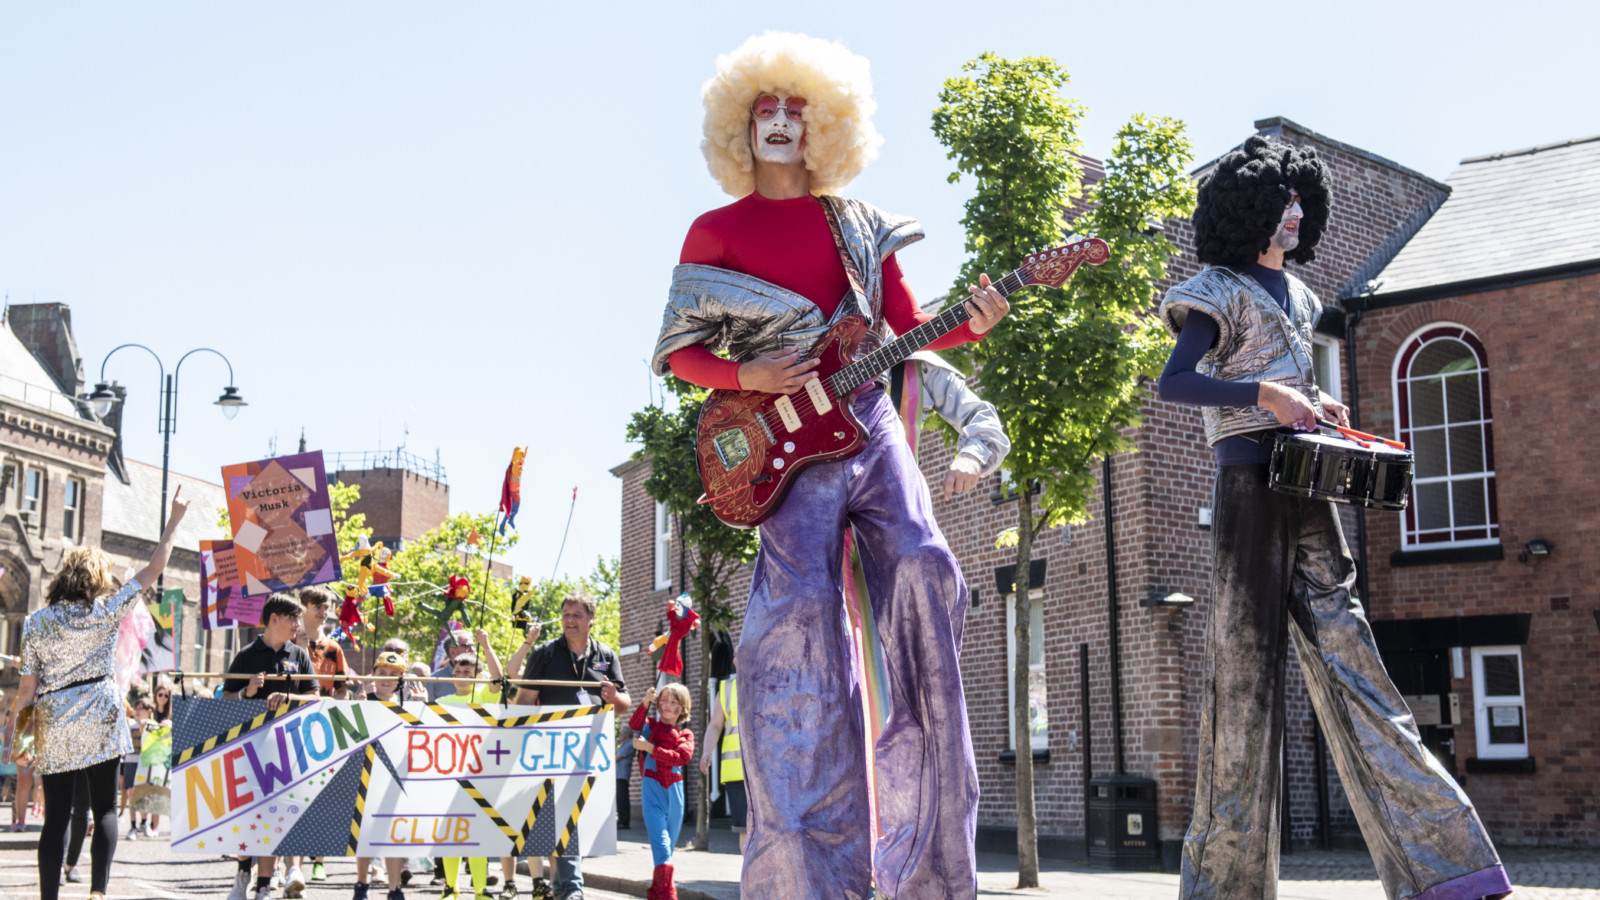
[
  {"x": 282, "y": 520},
  {"x": 157, "y": 654},
  {"x": 374, "y": 778},
  {"x": 219, "y": 577}
]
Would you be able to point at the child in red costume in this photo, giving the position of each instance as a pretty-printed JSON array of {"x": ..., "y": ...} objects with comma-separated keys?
[{"x": 666, "y": 745}]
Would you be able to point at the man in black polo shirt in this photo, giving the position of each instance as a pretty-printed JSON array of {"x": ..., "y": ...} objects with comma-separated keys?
[
  {"x": 273, "y": 653},
  {"x": 574, "y": 656}
]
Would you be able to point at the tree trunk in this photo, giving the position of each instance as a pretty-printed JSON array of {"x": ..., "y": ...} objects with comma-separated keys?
[
  {"x": 1027, "y": 820},
  {"x": 702, "y": 816}
]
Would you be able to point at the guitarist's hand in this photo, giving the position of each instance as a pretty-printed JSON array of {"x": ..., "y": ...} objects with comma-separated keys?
[
  {"x": 780, "y": 372},
  {"x": 986, "y": 305}
]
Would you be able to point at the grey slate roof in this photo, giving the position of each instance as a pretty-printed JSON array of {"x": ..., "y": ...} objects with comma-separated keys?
[
  {"x": 134, "y": 509},
  {"x": 23, "y": 378},
  {"x": 1508, "y": 213}
]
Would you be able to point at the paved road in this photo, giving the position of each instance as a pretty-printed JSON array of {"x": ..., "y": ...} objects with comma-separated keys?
[{"x": 147, "y": 870}]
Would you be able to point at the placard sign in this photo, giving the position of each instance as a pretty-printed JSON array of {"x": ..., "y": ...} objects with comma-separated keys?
[
  {"x": 282, "y": 520},
  {"x": 374, "y": 778}
]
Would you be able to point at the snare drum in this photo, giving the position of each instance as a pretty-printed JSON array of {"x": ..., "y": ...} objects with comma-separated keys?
[{"x": 1330, "y": 466}]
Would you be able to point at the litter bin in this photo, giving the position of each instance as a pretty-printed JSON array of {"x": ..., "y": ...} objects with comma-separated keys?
[{"x": 1122, "y": 822}]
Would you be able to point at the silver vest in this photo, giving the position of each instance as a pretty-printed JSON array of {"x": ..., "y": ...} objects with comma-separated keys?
[
  {"x": 1256, "y": 341},
  {"x": 746, "y": 316},
  {"x": 945, "y": 391}
]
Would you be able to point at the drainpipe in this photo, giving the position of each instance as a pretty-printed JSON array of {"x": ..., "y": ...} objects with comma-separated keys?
[{"x": 1111, "y": 599}]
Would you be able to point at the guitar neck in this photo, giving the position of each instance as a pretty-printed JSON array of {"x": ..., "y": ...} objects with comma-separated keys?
[{"x": 898, "y": 350}]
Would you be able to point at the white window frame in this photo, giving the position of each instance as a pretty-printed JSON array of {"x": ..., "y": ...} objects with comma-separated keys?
[
  {"x": 31, "y": 502},
  {"x": 1040, "y": 742},
  {"x": 1483, "y": 706},
  {"x": 72, "y": 511},
  {"x": 1334, "y": 351},
  {"x": 1408, "y": 540},
  {"x": 663, "y": 547}
]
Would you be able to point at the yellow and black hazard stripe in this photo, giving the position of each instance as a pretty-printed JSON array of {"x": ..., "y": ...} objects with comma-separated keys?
[
  {"x": 571, "y": 831},
  {"x": 361, "y": 797},
  {"x": 238, "y": 731},
  {"x": 539, "y": 800},
  {"x": 483, "y": 711},
  {"x": 439, "y": 710},
  {"x": 558, "y": 715},
  {"x": 488, "y": 808},
  {"x": 400, "y": 711}
]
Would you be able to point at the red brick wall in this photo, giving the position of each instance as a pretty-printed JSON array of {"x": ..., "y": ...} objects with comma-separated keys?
[
  {"x": 1542, "y": 371},
  {"x": 399, "y": 503}
]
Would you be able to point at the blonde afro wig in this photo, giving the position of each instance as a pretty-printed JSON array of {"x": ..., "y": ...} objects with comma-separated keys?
[{"x": 836, "y": 85}]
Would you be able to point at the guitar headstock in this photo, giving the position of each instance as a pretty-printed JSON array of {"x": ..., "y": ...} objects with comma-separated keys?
[{"x": 1052, "y": 268}]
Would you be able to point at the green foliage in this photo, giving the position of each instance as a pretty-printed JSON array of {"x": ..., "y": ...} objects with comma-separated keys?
[
  {"x": 1064, "y": 367},
  {"x": 713, "y": 549}
]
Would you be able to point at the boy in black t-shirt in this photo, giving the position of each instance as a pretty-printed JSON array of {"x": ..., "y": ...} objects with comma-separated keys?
[{"x": 273, "y": 653}]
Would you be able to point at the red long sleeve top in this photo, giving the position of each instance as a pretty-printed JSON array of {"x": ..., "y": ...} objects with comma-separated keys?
[
  {"x": 788, "y": 243},
  {"x": 674, "y": 747}
]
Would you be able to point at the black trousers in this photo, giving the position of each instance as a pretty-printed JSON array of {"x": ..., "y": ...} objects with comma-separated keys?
[
  {"x": 624, "y": 805},
  {"x": 80, "y": 819},
  {"x": 1282, "y": 575},
  {"x": 58, "y": 792}
]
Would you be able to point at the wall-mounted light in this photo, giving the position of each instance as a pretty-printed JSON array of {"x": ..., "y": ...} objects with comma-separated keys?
[
  {"x": 1164, "y": 598},
  {"x": 1537, "y": 548}
]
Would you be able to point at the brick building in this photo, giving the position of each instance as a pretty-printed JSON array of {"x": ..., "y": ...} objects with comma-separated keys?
[
  {"x": 1473, "y": 344},
  {"x": 402, "y": 495},
  {"x": 1160, "y": 545},
  {"x": 66, "y": 483}
]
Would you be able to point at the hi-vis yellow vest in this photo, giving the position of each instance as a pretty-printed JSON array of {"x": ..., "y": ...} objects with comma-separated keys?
[{"x": 732, "y": 761}]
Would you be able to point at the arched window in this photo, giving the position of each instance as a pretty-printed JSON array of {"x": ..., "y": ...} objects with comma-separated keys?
[{"x": 1441, "y": 380}]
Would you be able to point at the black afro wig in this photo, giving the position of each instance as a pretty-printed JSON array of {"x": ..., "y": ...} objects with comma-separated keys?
[{"x": 1242, "y": 201}]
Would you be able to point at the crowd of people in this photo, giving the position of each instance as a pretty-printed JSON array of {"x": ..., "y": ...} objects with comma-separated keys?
[{"x": 86, "y": 749}]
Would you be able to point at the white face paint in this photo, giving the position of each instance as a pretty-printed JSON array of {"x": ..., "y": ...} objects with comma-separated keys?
[
  {"x": 1287, "y": 237},
  {"x": 779, "y": 140}
]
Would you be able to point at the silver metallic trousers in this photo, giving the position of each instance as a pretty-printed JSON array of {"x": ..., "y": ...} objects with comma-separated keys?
[{"x": 1281, "y": 569}]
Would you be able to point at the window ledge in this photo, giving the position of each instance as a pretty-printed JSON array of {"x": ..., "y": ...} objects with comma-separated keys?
[
  {"x": 1481, "y": 553},
  {"x": 1477, "y": 766},
  {"x": 1009, "y": 757}
]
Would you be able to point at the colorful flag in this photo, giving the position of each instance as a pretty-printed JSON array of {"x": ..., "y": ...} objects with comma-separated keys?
[{"x": 511, "y": 489}]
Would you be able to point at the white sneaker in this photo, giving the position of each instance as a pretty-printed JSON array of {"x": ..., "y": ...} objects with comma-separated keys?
[
  {"x": 377, "y": 874},
  {"x": 241, "y": 885},
  {"x": 295, "y": 883},
  {"x": 277, "y": 876},
  {"x": 149, "y": 830},
  {"x": 264, "y": 893}
]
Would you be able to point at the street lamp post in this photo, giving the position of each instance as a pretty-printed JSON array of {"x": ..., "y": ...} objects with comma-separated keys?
[{"x": 104, "y": 398}]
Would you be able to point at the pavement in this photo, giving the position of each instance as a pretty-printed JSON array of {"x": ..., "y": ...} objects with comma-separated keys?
[{"x": 146, "y": 870}]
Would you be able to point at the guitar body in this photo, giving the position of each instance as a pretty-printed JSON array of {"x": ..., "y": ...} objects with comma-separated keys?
[
  {"x": 751, "y": 445},
  {"x": 748, "y": 450}
]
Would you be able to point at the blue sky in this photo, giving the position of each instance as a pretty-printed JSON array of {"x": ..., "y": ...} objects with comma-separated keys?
[{"x": 456, "y": 222}]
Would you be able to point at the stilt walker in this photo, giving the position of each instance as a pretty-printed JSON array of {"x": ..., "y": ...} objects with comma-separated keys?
[{"x": 788, "y": 124}]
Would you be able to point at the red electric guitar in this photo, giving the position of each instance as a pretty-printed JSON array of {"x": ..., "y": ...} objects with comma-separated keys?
[{"x": 750, "y": 445}]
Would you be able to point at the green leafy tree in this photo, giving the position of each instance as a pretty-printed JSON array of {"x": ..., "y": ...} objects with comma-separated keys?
[
  {"x": 1064, "y": 368},
  {"x": 710, "y": 551}
]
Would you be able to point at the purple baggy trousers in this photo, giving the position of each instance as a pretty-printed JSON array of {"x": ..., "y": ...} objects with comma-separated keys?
[{"x": 799, "y": 698}]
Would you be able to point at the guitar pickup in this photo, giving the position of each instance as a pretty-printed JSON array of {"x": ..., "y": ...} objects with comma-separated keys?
[
  {"x": 786, "y": 412},
  {"x": 819, "y": 395}
]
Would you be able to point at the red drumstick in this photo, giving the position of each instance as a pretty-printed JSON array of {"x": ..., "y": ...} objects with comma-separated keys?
[{"x": 1360, "y": 435}]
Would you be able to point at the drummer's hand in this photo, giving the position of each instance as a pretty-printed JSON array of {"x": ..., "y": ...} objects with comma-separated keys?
[
  {"x": 1336, "y": 411},
  {"x": 1289, "y": 405}
]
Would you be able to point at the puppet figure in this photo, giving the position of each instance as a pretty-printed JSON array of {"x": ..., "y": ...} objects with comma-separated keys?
[
  {"x": 519, "y": 604},
  {"x": 367, "y": 558},
  {"x": 351, "y": 621},
  {"x": 683, "y": 618},
  {"x": 380, "y": 578},
  {"x": 455, "y": 596}
]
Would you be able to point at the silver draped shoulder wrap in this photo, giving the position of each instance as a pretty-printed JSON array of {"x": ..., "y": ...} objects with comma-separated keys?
[
  {"x": 945, "y": 391},
  {"x": 746, "y": 316},
  {"x": 1256, "y": 341}
]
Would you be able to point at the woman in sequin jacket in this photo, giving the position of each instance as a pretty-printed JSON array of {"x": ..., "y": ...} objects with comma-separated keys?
[{"x": 78, "y": 715}]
